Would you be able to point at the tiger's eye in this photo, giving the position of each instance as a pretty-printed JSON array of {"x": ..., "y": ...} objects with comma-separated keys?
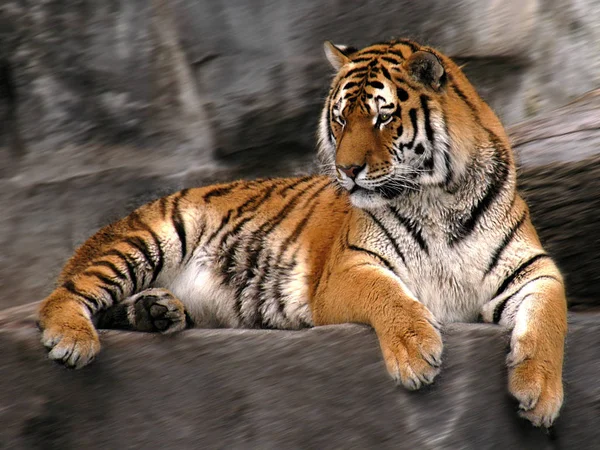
[{"x": 384, "y": 117}]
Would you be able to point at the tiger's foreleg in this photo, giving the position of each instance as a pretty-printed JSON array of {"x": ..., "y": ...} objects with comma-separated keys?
[
  {"x": 152, "y": 310},
  {"x": 535, "y": 307},
  {"x": 362, "y": 291}
]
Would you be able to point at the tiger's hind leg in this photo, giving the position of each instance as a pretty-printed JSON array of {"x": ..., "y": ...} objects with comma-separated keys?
[{"x": 151, "y": 310}]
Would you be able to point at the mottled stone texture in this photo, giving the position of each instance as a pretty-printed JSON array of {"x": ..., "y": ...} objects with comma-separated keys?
[{"x": 323, "y": 388}]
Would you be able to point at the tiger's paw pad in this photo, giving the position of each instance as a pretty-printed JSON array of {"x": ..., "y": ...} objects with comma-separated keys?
[
  {"x": 157, "y": 310},
  {"x": 74, "y": 344},
  {"x": 538, "y": 390},
  {"x": 413, "y": 357}
]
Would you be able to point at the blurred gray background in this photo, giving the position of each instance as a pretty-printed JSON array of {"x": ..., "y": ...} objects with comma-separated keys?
[{"x": 107, "y": 104}]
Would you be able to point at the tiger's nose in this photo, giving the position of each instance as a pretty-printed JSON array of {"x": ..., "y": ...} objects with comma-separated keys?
[{"x": 351, "y": 171}]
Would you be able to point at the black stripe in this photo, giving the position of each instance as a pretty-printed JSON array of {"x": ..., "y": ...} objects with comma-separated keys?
[
  {"x": 224, "y": 221},
  {"x": 357, "y": 71},
  {"x": 493, "y": 190},
  {"x": 499, "y": 310},
  {"x": 392, "y": 60},
  {"x": 402, "y": 94},
  {"x": 475, "y": 115},
  {"x": 386, "y": 73},
  {"x": 179, "y": 225},
  {"x": 255, "y": 246},
  {"x": 250, "y": 205},
  {"x": 465, "y": 99},
  {"x": 284, "y": 273},
  {"x": 375, "y": 84},
  {"x": 295, "y": 184},
  {"x": 426, "y": 113},
  {"x": 161, "y": 256},
  {"x": 362, "y": 59},
  {"x": 372, "y": 51},
  {"x": 234, "y": 231},
  {"x": 351, "y": 84},
  {"x": 158, "y": 265},
  {"x": 448, "y": 165},
  {"x": 129, "y": 265},
  {"x": 505, "y": 242},
  {"x": 140, "y": 244},
  {"x": 385, "y": 262},
  {"x": 413, "y": 120},
  {"x": 508, "y": 280},
  {"x": 287, "y": 209},
  {"x": 412, "y": 229},
  {"x": 70, "y": 286},
  {"x": 227, "y": 255},
  {"x": 398, "y": 113},
  {"x": 254, "y": 202},
  {"x": 200, "y": 234},
  {"x": 333, "y": 93},
  {"x": 112, "y": 295},
  {"x": 330, "y": 135},
  {"x": 220, "y": 191},
  {"x": 396, "y": 52},
  {"x": 103, "y": 278},
  {"x": 500, "y": 307},
  {"x": 120, "y": 275},
  {"x": 388, "y": 235},
  {"x": 291, "y": 239},
  {"x": 259, "y": 321},
  {"x": 162, "y": 203},
  {"x": 267, "y": 227}
]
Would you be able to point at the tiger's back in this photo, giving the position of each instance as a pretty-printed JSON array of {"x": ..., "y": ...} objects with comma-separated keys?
[{"x": 240, "y": 254}]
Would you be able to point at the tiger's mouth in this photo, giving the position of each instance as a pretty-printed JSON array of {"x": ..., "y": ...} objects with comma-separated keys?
[
  {"x": 364, "y": 195},
  {"x": 369, "y": 198},
  {"x": 387, "y": 191}
]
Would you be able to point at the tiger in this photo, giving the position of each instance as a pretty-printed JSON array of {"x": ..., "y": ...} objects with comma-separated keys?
[{"x": 414, "y": 222}]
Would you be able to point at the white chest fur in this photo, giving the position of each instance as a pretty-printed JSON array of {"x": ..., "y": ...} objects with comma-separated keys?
[
  {"x": 451, "y": 282},
  {"x": 449, "y": 279}
]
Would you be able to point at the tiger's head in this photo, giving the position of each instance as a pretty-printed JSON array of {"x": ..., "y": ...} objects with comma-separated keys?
[{"x": 401, "y": 118}]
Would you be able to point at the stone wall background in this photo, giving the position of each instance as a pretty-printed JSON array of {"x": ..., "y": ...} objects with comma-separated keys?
[{"x": 106, "y": 104}]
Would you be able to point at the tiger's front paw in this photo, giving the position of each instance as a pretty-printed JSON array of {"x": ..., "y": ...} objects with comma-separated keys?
[
  {"x": 537, "y": 385},
  {"x": 69, "y": 336},
  {"x": 412, "y": 349}
]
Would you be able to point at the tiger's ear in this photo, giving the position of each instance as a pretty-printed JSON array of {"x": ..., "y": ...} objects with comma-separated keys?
[
  {"x": 337, "y": 55},
  {"x": 425, "y": 67}
]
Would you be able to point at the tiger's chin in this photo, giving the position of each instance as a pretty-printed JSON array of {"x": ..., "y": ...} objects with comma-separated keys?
[{"x": 365, "y": 199}]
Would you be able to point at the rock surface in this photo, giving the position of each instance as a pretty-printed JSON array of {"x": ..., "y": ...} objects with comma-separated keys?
[
  {"x": 245, "y": 389},
  {"x": 559, "y": 159}
]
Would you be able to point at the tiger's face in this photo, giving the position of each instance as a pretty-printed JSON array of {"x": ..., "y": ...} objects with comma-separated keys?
[{"x": 383, "y": 130}]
